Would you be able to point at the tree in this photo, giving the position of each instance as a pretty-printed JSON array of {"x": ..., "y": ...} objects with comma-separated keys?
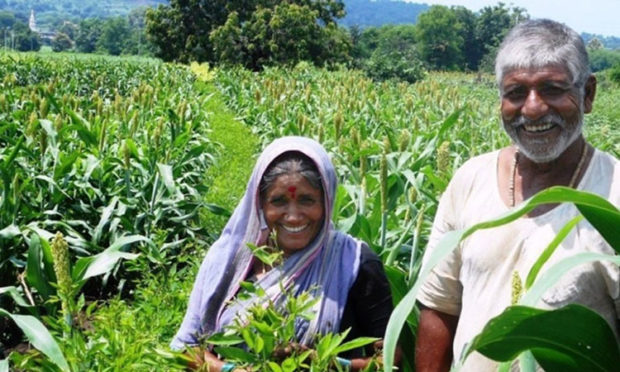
[
  {"x": 471, "y": 49},
  {"x": 114, "y": 33},
  {"x": 595, "y": 44},
  {"x": 251, "y": 32},
  {"x": 492, "y": 25},
  {"x": 70, "y": 29},
  {"x": 89, "y": 31},
  {"x": 395, "y": 54},
  {"x": 25, "y": 39},
  {"x": 283, "y": 35},
  {"x": 7, "y": 19},
  {"x": 440, "y": 38},
  {"x": 61, "y": 42}
]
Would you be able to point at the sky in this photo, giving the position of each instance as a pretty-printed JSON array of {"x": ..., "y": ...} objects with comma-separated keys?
[{"x": 600, "y": 17}]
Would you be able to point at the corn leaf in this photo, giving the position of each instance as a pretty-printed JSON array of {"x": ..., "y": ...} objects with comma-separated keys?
[
  {"x": 588, "y": 344},
  {"x": 39, "y": 337},
  {"x": 88, "y": 267},
  {"x": 35, "y": 269},
  {"x": 12, "y": 291},
  {"x": 531, "y": 276}
]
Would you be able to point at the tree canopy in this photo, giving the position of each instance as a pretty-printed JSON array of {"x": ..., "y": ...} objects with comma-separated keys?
[{"x": 250, "y": 33}]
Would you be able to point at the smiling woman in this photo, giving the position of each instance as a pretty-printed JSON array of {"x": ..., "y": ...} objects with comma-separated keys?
[{"x": 290, "y": 195}]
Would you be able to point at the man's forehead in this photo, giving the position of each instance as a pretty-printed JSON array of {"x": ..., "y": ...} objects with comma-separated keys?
[{"x": 536, "y": 75}]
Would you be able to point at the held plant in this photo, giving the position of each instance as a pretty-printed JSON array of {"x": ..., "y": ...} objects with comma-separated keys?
[{"x": 265, "y": 339}]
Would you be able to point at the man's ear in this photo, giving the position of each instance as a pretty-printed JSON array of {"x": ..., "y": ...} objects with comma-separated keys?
[{"x": 590, "y": 93}]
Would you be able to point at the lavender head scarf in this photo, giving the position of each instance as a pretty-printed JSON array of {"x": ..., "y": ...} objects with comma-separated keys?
[{"x": 327, "y": 267}]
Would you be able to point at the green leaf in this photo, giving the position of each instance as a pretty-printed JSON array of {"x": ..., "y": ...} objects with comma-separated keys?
[
  {"x": 606, "y": 220},
  {"x": 87, "y": 267},
  {"x": 35, "y": 273},
  {"x": 355, "y": 343},
  {"x": 236, "y": 354},
  {"x": 588, "y": 344},
  {"x": 224, "y": 339},
  {"x": 12, "y": 291},
  {"x": 10, "y": 231},
  {"x": 39, "y": 337},
  {"x": 531, "y": 276},
  {"x": 216, "y": 209},
  {"x": 165, "y": 171},
  {"x": 105, "y": 217},
  {"x": 555, "y": 272}
]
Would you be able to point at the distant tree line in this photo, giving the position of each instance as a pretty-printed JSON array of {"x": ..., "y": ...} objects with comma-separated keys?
[
  {"x": 256, "y": 33},
  {"x": 51, "y": 14},
  {"x": 113, "y": 35}
]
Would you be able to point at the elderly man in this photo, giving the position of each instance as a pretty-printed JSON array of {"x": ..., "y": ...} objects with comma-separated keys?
[{"x": 545, "y": 89}]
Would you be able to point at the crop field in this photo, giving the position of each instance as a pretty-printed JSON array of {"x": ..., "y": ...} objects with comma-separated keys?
[{"x": 125, "y": 169}]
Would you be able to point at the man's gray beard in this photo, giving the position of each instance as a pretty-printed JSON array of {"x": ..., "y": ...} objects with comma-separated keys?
[{"x": 544, "y": 152}]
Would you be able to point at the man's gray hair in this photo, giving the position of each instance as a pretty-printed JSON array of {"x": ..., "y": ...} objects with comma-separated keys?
[{"x": 543, "y": 42}]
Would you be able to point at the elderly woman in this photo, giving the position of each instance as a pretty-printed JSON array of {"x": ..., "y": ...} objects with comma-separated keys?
[{"x": 290, "y": 193}]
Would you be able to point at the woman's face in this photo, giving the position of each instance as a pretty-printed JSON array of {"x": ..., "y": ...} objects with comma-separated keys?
[{"x": 294, "y": 210}]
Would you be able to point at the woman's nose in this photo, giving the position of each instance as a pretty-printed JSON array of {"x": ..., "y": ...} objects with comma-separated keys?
[{"x": 293, "y": 213}]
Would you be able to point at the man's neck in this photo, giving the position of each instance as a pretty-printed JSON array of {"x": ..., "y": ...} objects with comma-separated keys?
[{"x": 521, "y": 178}]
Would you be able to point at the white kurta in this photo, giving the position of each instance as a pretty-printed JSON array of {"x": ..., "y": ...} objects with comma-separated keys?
[{"x": 475, "y": 281}]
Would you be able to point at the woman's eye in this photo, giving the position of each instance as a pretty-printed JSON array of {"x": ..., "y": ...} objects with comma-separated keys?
[
  {"x": 279, "y": 201},
  {"x": 306, "y": 200}
]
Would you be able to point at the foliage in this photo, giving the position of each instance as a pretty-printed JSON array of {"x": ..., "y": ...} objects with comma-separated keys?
[
  {"x": 61, "y": 42},
  {"x": 266, "y": 341},
  {"x": 601, "y": 59},
  {"x": 615, "y": 73},
  {"x": 252, "y": 34},
  {"x": 452, "y": 38},
  {"x": 52, "y": 13},
  {"x": 89, "y": 31},
  {"x": 588, "y": 345},
  {"x": 123, "y": 334},
  {"x": 114, "y": 32},
  {"x": 98, "y": 150},
  {"x": 388, "y": 52},
  {"x": 440, "y": 37},
  {"x": 23, "y": 38}
]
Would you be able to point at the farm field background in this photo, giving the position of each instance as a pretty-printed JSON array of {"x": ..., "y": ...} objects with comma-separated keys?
[{"x": 137, "y": 163}]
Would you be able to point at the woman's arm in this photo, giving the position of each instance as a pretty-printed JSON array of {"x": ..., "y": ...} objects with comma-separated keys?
[{"x": 433, "y": 349}]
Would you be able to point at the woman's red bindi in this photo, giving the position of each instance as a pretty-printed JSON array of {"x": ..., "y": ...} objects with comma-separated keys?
[{"x": 292, "y": 190}]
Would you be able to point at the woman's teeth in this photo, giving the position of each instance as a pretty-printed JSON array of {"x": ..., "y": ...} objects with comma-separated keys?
[{"x": 294, "y": 229}]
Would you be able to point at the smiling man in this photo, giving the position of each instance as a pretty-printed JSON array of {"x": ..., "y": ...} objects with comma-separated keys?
[{"x": 545, "y": 87}]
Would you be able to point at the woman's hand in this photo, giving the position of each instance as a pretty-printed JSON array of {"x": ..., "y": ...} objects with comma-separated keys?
[{"x": 205, "y": 361}]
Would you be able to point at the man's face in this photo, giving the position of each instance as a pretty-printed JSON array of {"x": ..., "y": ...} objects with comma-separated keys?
[{"x": 542, "y": 111}]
